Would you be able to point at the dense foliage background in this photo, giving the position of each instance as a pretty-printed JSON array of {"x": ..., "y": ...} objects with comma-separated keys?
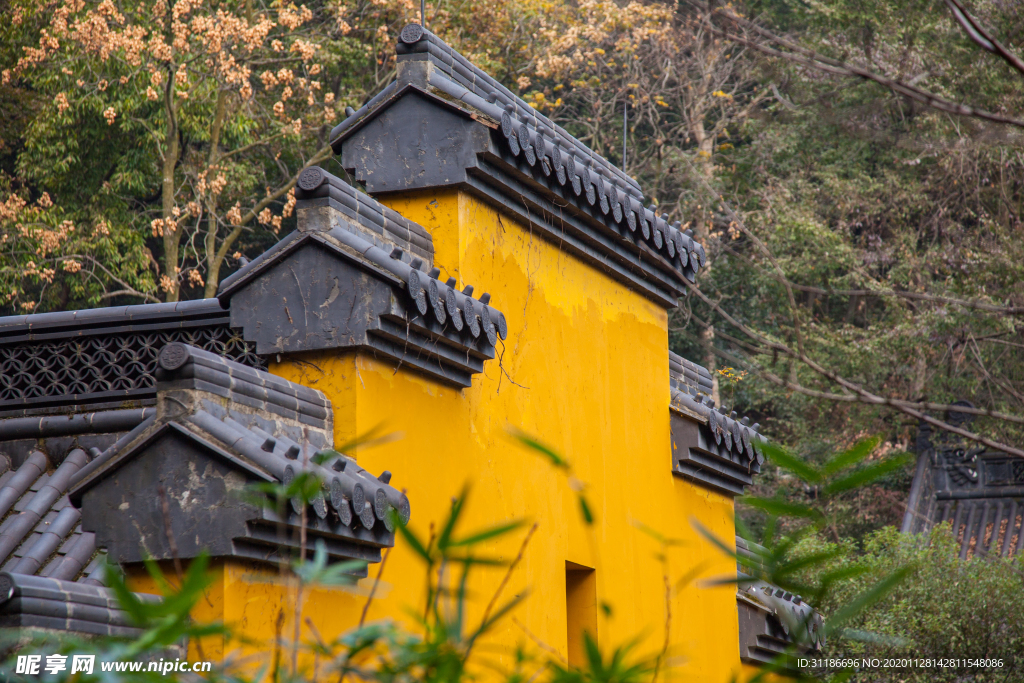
[{"x": 866, "y": 248}]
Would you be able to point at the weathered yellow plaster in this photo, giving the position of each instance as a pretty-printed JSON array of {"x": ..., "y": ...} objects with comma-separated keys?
[{"x": 584, "y": 369}]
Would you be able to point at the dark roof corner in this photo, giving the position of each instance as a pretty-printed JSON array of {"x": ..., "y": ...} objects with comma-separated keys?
[
  {"x": 236, "y": 426},
  {"x": 494, "y": 144},
  {"x": 711, "y": 446},
  {"x": 774, "y": 623},
  {"x": 355, "y": 294}
]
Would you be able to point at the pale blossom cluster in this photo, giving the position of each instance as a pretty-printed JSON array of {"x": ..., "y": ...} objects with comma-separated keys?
[
  {"x": 294, "y": 18},
  {"x": 601, "y": 25},
  {"x": 12, "y": 208},
  {"x": 186, "y": 42},
  {"x": 32, "y": 270},
  {"x": 162, "y": 225},
  {"x": 234, "y": 214}
]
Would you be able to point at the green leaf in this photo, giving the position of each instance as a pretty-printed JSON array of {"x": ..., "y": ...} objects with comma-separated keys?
[
  {"x": 414, "y": 542},
  {"x": 588, "y": 516},
  {"x": 866, "y": 475},
  {"x": 375, "y": 436},
  {"x": 860, "y": 450},
  {"x": 444, "y": 537},
  {"x": 710, "y": 535},
  {"x": 802, "y": 563},
  {"x": 486, "y": 534},
  {"x": 782, "y": 508},
  {"x": 787, "y": 461},
  {"x": 528, "y": 441}
]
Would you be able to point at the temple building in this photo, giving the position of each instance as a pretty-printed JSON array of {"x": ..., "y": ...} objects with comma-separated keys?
[
  {"x": 462, "y": 271},
  {"x": 977, "y": 491}
]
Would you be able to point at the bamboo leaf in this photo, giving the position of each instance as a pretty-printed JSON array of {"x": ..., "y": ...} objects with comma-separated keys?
[
  {"x": 780, "y": 457},
  {"x": 866, "y": 475},
  {"x": 486, "y": 534},
  {"x": 854, "y": 455}
]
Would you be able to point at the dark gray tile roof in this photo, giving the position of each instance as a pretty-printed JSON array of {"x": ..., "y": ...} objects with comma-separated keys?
[
  {"x": 51, "y": 570},
  {"x": 47, "y": 603},
  {"x": 106, "y": 321},
  {"x": 773, "y": 621},
  {"x": 724, "y": 452},
  {"x": 413, "y": 317},
  {"x": 979, "y": 493},
  {"x": 269, "y": 428},
  {"x": 40, "y": 532},
  {"x": 562, "y": 169},
  {"x": 687, "y": 376}
]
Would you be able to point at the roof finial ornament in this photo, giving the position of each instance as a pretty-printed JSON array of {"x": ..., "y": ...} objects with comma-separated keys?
[{"x": 423, "y": 13}]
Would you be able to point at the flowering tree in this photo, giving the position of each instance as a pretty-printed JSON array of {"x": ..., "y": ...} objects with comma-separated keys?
[{"x": 210, "y": 108}]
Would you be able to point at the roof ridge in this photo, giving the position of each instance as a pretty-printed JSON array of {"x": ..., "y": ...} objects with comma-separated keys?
[{"x": 526, "y": 152}]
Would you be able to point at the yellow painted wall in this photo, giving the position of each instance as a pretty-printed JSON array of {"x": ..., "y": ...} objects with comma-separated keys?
[{"x": 585, "y": 369}]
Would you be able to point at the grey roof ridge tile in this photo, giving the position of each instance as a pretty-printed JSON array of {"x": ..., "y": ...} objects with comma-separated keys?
[{"x": 685, "y": 255}]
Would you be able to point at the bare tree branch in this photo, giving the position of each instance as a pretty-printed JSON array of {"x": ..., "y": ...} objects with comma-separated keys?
[
  {"x": 983, "y": 38},
  {"x": 814, "y": 60},
  {"x": 862, "y": 395}
]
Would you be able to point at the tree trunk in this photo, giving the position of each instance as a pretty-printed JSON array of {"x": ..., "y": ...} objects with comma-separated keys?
[
  {"x": 171, "y": 235},
  {"x": 212, "y": 262}
]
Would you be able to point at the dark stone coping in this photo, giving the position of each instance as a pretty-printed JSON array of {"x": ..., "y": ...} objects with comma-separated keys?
[
  {"x": 685, "y": 374},
  {"x": 416, "y": 40},
  {"x": 732, "y": 435},
  {"x": 68, "y": 425},
  {"x": 354, "y": 495},
  {"x": 357, "y": 206},
  {"x": 36, "y": 601},
  {"x": 195, "y": 364},
  {"x": 774, "y": 622},
  {"x": 144, "y": 317},
  {"x": 431, "y": 326},
  {"x": 563, "y": 167},
  {"x": 397, "y": 267}
]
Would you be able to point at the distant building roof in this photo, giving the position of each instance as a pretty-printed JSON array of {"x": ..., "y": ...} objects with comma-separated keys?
[{"x": 979, "y": 492}]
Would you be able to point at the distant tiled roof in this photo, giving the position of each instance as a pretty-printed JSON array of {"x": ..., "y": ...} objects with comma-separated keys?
[
  {"x": 979, "y": 492},
  {"x": 595, "y": 208}
]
